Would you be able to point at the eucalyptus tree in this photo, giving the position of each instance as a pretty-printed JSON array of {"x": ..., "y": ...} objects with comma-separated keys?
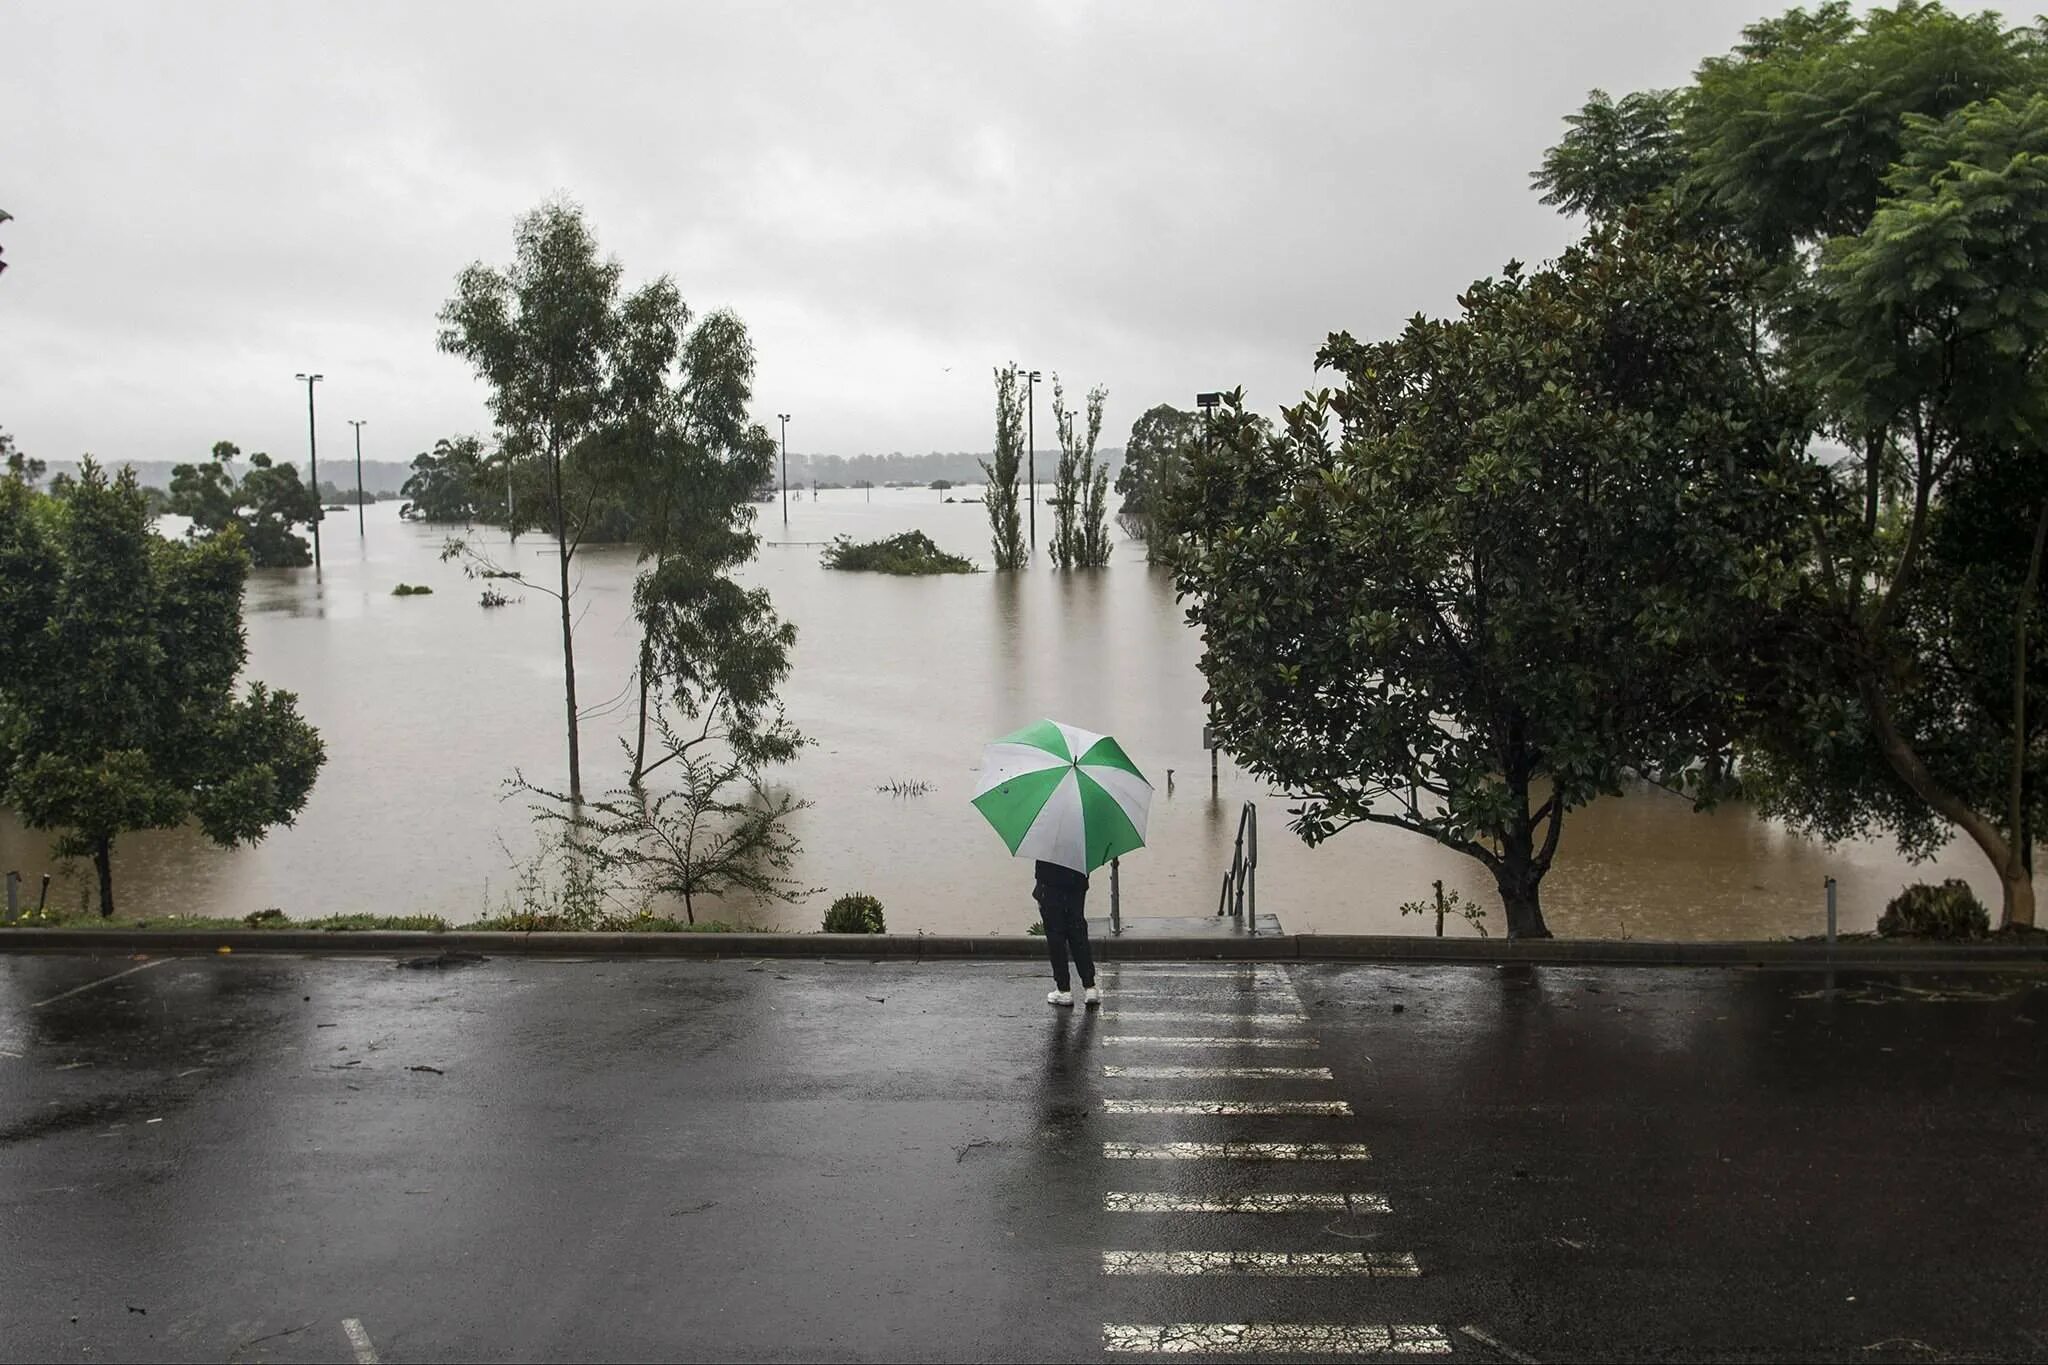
[
  {"x": 1006, "y": 531},
  {"x": 558, "y": 346},
  {"x": 264, "y": 503}
]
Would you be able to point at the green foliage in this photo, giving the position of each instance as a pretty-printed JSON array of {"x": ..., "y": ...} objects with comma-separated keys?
[
  {"x": 411, "y": 590},
  {"x": 453, "y": 482},
  {"x": 856, "y": 912},
  {"x": 912, "y": 552},
  {"x": 1615, "y": 155},
  {"x": 1543, "y": 556},
  {"x": 1923, "y": 910},
  {"x": 1155, "y": 462},
  {"x": 118, "y": 708},
  {"x": 263, "y": 504},
  {"x": 1006, "y": 528},
  {"x": 1080, "y": 498},
  {"x": 1445, "y": 906}
]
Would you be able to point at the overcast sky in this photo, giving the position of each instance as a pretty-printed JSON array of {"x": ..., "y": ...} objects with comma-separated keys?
[{"x": 1155, "y": 197}]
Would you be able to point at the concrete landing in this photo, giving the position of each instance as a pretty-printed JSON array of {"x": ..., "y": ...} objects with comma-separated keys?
[{"x": 1195, "y": 926}]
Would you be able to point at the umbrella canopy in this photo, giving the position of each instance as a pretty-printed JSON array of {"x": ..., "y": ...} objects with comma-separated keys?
[{"x": 1064, "y": 794}]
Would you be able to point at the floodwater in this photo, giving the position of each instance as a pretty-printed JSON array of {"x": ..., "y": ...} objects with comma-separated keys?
[{"x": 429, "y": 703}]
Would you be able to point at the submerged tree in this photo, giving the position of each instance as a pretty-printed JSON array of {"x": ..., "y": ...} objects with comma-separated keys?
[
  {"x": 118, "y": 709},
  {"x": 1080, "y": 499},
  {"x": 449, "y": 483},
  {"x": 1006, "y": 529},
  {"x": 1541, "y": 556},
  {"x": 1155, "y": 459},
  {"x": 264, "y": 503}
]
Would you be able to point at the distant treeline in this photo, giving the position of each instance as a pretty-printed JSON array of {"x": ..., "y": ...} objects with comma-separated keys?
[
  {"x": 379, "y": 476},
  {"x": 895, "y": 467}
]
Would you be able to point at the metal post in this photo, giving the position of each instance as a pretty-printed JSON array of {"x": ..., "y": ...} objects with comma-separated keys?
[
  {"x": 43, "y": 896},
  {"x": 1251, "y": 871},
  {"x": 785, "y": 466},
  {"x": 313, "y": 462},
  {"x": 1116, "y": 911},
  {"x": 1831, "y": 913},
  {"x": 1031, "y": 440},
  {"x": 359, "y": 473},
  {"x": 14, "y": 893}
]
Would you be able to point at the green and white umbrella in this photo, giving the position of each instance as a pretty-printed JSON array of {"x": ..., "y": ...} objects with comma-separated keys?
[{"x": 1064, "y": 794}]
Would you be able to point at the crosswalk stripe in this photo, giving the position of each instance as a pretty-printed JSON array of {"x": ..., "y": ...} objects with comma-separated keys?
[
  {"x": 1252, "y": 991},
  {"x": 1292, "y": 1338},
  {"x": 1304, "y": 1264},
  {"x": 1122, "y": 1201},
  {"x": 1236, "y": 1151},
  {"x": 1333, "y": 1107},
  {"x": 1232, "y": 973},
  {"x": 1205, "y": 1017},
  {"x": 1144, "y": 1040},
  {"x": 1220, "y": 1073}
]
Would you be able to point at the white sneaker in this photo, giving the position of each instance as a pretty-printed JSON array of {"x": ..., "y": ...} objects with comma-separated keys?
[
  {"x": 1091, "y": 996},
  {"x": 1059, "y": 998}
]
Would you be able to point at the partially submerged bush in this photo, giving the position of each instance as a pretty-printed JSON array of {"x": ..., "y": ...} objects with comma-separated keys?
[
  {"x": 910, "y": 553},
  {"x": 1923, "y": 910},
  {"x": 412, "y": 590},
  {"x": 856, "y": 912}
]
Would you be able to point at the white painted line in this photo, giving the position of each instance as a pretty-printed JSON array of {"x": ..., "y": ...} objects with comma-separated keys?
[
  {"x": 1304, "y": 1264},
  {"x": 100, "y": 981},
  {"x": 1206, "y": 1017},
  {"x": 1289, "y": 1338},
  {"x": 359, "y": 1341},
  {"x": 1118, "y": 1201},
  {"x": 1220, "y": 1073},
  {"x": 1229, "y": 973},
  {"x": 1334, "y": 1107},
  {"x": 1252, "y": 993},
  {"x": 1141, "y": 1040},
  {"x": 1510, "y": 1352},
  {"x": 1236, "y": 1151}
]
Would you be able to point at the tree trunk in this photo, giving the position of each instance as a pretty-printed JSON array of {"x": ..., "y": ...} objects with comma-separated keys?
[
  {"x": 1519, "y": 877},
  {"x": 1997, "y": 849},
  {"x": 103, "y": 861},
  {"x": 640, "y": 744},
  {"x": 568, "y": 625},
  {"x": 2016, "y": 877}
]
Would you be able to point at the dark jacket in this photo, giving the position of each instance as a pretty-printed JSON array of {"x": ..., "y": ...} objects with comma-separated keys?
[{"x": 1060, "y": 886}]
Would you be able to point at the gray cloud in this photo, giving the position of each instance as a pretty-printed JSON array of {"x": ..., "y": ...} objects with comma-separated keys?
[{"x": 1156, "y": 197}]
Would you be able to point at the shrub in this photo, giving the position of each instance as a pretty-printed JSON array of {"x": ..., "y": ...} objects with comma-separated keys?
[
  {"x": 412, "y": 590},
  {"x": 856, "y": 912},
  {"x": 1923, "y": 910},
  {"x": 259, "y": 919},
  {"x": 910, "y": 553}
]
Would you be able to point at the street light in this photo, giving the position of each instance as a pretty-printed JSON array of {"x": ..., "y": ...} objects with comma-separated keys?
[
  {"x": 359, "y": 471},
  {"x": 785, "y": 466},
  {"x": 313, "y": 458},
  {"x": 1031, "y": 429}
]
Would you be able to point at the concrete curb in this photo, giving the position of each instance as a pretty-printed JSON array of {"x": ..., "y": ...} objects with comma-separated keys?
[{"x": 938, "y": 947}]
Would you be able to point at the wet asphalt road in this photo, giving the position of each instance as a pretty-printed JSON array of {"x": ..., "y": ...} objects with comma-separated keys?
[{"x": 238, "y": 1159}]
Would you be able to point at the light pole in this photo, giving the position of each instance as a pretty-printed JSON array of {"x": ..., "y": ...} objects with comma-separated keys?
[
  {"x": 313, "y": 463},
  {"x": 1207, "y": 403},
  {"x": 785, "y": 466},
  {"x": 359, "y": 472},
  {"x": 1031, "y": 438}
]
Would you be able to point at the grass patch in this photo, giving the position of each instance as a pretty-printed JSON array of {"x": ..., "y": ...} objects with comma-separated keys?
[
  {"x": 910, "y": 553},
  {"x": 522, "y": 922},
  {"x": 412, "y": 590},
  {"x": 272, "y": 918}
]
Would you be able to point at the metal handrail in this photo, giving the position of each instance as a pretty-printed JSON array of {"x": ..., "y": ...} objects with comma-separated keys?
[{"x": 1241, "y": 883}]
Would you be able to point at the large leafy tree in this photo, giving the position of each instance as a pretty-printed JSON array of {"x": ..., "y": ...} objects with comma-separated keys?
[
  {"x": 452, "y": 482},
  {"x": 118, "y": 708},
  {"x": 563, "y": 354},
  {"x": 264, "y": 504},
  {"x": 1155, "y": 458},
  {"x": 1006, "y": 534},
  {"x": 1539, "y": 557},
  {"x": 1886, "y": 166}
]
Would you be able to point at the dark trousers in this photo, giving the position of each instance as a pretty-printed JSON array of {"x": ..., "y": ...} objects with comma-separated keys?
[{"x": 1066, "y": 931}]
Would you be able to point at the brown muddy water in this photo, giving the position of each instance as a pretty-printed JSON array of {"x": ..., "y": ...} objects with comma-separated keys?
[{"x": 429, "y": 703}]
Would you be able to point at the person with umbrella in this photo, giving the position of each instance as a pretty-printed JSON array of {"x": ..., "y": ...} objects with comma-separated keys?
[{"x": 1071, "y": 800}]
